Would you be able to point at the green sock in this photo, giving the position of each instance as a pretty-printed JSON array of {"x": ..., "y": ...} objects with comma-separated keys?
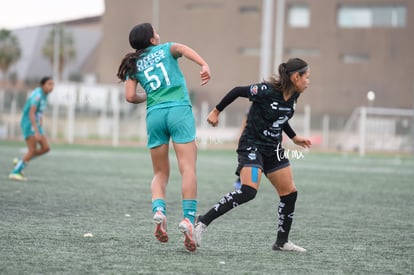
[
  {"x": 159, "y": 205},
  {"x": 19, "y": 167},
  {"x": 190, "y": 209}
]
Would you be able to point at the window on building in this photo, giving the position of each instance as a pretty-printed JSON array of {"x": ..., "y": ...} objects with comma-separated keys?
[
  {"x": 249, "y": 9},
  {"x": 309, "y": 52},
  {"x": 299, "y": 16},
  {"x": 355, "y": 58},
  {"x": 203, "y": 6},
  {"x": 246, "y": 51},
  {"x": 371, "y": 16}
]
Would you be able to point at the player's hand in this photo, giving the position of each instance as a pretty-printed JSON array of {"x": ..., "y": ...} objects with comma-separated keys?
[
  {"x": 212, "y": 118},
  {"x": 205, "y": 74},
  {"x": 301, "y": 141}
]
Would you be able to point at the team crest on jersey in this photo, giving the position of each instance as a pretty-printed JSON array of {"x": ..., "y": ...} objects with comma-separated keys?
[
  {"x": 252, "y": 154},
  {"x": 263, "y": 87},
  {"x": 254, "y": 89}
]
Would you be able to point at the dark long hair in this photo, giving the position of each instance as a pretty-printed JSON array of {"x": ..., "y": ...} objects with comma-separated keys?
[
  {"x": 139, "y": 39},
  {"x": 283, "y": 82},
  {"x": 44, "y": 80}
]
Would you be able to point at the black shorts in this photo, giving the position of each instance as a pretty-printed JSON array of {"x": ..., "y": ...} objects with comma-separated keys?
[{"x": 250, "y": 156}]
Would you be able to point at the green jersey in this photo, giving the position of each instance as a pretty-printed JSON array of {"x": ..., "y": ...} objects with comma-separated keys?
[
  {"x": 37, "y": 98},
  {"x": 159, "y": 74}
]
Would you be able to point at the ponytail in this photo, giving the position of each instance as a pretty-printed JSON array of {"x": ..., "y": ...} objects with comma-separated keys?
[
  {"x": 128, "y": 67},
  {"x": 139, "y": 39},
  {"x": 283, "y": 82},
  {"x": 282, "y": 68}
]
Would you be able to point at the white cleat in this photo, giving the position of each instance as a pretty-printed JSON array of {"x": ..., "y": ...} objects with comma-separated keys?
[
  {"x": 288, "y": 246},
  {"x": 160, "y": 227},
  {"x": 187, "y": 228},
  {"x": 199, "y": 229},
  {"x": 17, "y": 177}
]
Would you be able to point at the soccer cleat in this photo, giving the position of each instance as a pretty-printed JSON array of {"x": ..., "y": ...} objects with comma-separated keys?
[
  {"x": 15, "y": 162},
  {"x": 17, "y": 176},
  {"x": 160, "y": 227},
  {"x": 288, "y": 246},
  {"x": 187, "y": 228},
  {"x": 199, "y": 229}
]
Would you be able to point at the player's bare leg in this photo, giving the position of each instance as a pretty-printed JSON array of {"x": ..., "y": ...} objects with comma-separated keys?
[
  {"x": 186, "y": 156},
  {"x": 161, "y": 169},
  {"x": 251, "y": 176},
  {"x": 36, "y": 147},
  {"x": 282, "y": 180}
]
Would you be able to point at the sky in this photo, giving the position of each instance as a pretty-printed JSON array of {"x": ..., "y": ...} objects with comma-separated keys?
[{"x": 16, "y": 14}]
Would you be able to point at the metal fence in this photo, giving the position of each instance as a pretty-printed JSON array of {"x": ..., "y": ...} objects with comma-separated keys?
[{"x": 99, "y": 114}]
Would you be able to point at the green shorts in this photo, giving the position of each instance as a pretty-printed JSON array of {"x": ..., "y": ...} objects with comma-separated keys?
[
  {"x": 27, "y": 129},
  {"x": 175, "y": 122}
]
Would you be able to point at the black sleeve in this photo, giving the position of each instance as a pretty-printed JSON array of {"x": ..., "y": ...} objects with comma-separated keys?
[
  {"x": 288, "y": 130},
  {"x": 232, "y": 95}
]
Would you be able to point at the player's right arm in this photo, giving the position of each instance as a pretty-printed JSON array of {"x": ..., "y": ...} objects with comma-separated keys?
[
  {"x": 227, "y": 100},
  {"x": 131, "y": 94}
]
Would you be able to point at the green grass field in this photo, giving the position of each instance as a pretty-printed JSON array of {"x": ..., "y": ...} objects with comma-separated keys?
[{"x": 354, "y": 215}]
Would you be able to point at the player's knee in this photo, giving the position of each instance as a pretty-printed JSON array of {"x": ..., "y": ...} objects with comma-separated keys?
[
  {"x": 43, "y": 151},
  {"x": 248, "y": 193}
]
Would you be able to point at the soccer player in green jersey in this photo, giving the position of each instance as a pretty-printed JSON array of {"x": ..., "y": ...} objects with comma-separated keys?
[
  {"x": 154, "y": 65},
  {"x": 259, "y": 149},
  {"x": 31, "y": 124}
]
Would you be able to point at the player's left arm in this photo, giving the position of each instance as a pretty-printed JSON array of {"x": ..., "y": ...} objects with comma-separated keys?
[
  {"x": 302, "y": 141},
  {"x": 178, "y": 50},
  {"x": 288, "y": 130},
  {"x": 131, "y": 94}
]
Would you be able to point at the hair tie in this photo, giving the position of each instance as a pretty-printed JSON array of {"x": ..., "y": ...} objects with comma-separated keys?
[{"x": 299, "y": 70}]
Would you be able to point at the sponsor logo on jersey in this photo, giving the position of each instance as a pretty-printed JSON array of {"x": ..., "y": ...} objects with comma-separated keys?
[
  {"x": 149, "y": 60},
  {"x": 254, "y": 89},
  {"x": 268, "y": 133}
]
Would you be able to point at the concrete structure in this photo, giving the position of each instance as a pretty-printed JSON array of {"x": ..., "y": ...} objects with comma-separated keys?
[
  {"x": 347, "y": 61},
  {"x": 352, "y": 46}
]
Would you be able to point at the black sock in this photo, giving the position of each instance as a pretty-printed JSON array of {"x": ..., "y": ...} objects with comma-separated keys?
[
  {"x": 228, "y": 202},
  {"x": 285, "y": 211}
]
